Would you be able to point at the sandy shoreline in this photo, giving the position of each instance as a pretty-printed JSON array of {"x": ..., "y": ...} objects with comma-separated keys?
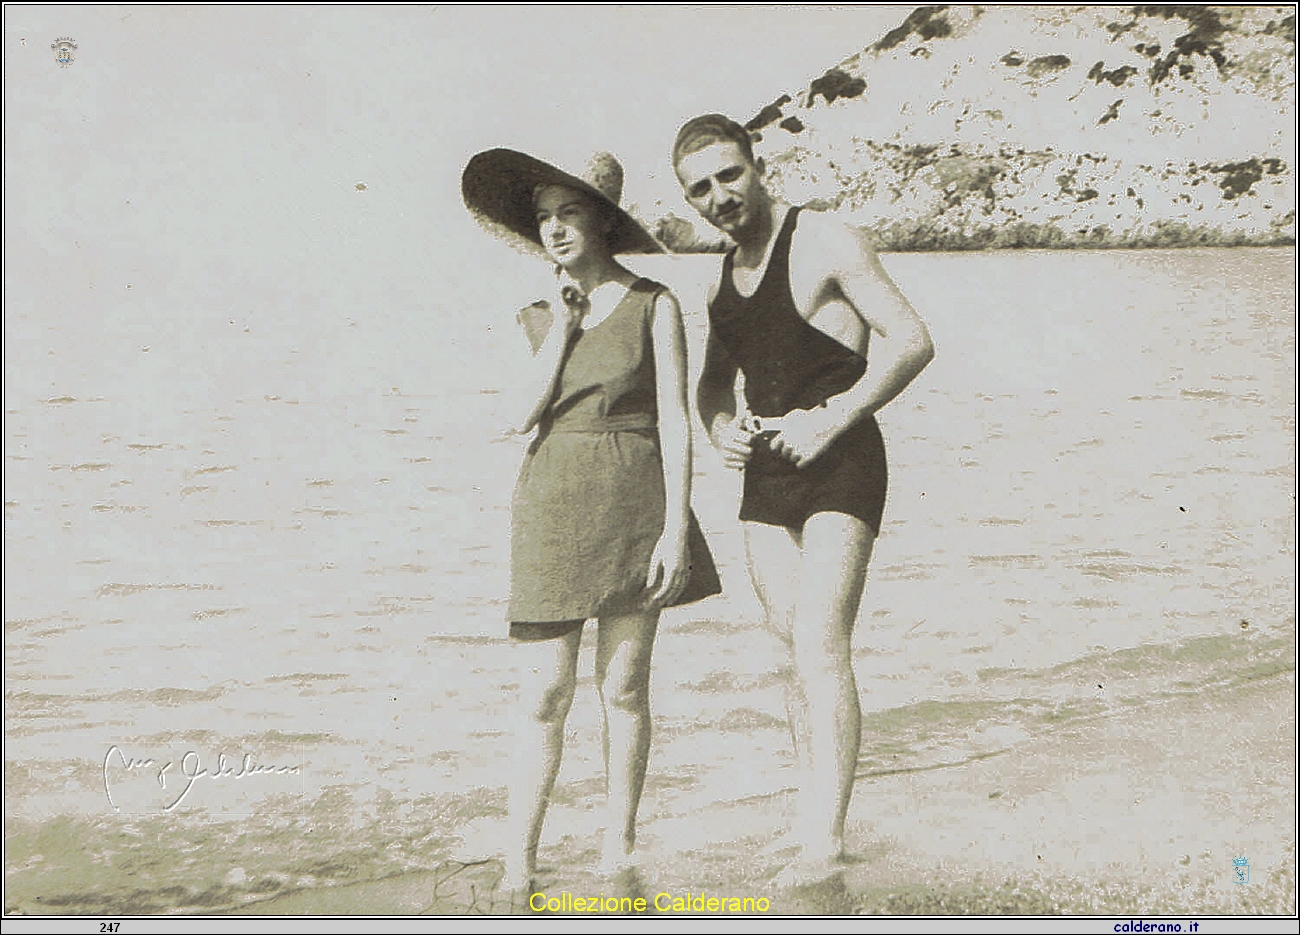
[
  {"x": 1010, "y": 830},
  {"x": 995, "y": 809}
]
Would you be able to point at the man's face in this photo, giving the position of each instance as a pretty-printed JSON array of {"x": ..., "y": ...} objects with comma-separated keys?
[{"x": 723, "y": 186}]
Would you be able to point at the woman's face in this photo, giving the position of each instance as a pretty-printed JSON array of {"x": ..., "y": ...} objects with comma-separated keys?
[{"x": 569, "y": 225}]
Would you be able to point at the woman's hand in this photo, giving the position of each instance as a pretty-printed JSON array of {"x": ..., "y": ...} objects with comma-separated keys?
[
  {"x": 550, "y": 327},
  {"x": 802, "y": 434},
  {"x": 670, "y": 569},
  {"x": 574, "y": 304}
]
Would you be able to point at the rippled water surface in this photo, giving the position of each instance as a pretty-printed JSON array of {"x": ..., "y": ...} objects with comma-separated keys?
[{"x": 288, "y": 545}]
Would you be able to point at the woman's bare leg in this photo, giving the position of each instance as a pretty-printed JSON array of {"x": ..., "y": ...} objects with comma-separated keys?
[
  {"x": 623, "y": 647},
  {"x": 547, "y": 678}
]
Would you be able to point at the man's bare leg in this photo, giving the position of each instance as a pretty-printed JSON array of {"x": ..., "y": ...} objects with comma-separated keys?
[
  {"x": 836, "y": 550},
  {"x": 774, "y": 556},
  {"x": 623, "y": 649},
  {"x": 548, "y": 672},
  {"x": 811, "y": 587}
]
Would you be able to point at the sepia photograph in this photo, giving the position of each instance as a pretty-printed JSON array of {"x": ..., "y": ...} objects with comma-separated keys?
[{"x": 729, "y": 461}]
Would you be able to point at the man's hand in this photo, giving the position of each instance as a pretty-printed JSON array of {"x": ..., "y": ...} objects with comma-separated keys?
[
  {"x": 735, "y": 440},
  {"x": 679, "y": 236},
  {"x": 803, "y": 434}
]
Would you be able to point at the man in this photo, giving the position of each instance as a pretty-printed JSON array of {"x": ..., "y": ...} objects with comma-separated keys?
[{"x": 800, "y": 298}]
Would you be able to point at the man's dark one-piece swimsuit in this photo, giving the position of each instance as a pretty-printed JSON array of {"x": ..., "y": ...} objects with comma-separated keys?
[{"x": 789, "y": 364}]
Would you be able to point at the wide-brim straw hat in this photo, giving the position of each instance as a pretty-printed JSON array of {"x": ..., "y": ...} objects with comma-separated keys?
[{"x": 499, "y": 187}]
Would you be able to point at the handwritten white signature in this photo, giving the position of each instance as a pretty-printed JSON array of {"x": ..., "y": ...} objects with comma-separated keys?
[{"x": 191, "y": 770}]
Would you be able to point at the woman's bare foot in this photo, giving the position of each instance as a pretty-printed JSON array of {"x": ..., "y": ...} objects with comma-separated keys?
[
  {"x": 618, "y": 854},
  {"x": 517, "y": 879}
]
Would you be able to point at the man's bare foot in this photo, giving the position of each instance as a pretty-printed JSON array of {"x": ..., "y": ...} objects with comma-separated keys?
[
  {"x": 809, "y": 870},
  {"x": 817, "y": 857},
  {"x": 782, "y": 845}
]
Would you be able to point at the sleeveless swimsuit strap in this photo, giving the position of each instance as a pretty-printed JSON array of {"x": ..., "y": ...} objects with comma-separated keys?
[
  {"x": 779, "y": 262},
  {"x": 779, "y": 259}
]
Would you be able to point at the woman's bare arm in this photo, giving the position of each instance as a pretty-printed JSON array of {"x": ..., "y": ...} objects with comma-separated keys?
[
  {"x": 549, "y": 342},
  {"x": 669, "y": 336}
]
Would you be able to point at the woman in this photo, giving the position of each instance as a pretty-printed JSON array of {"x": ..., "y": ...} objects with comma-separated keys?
[{"x": 601, "y": 524}]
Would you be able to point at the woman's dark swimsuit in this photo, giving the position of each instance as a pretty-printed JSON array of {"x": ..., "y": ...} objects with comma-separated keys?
[{"x": 789, "y": 364}]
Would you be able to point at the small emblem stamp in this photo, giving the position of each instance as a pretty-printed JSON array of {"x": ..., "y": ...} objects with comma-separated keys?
[
  {"x": 65, "y": 50},
  {"x": 1241, "y": 871}
]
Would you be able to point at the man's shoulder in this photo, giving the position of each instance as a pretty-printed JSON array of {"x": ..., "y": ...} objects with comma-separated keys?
[
  {"x": 831, "y": 245},
  {"x": 825, "y": 244},
  {"x": 828, "y": 228}
]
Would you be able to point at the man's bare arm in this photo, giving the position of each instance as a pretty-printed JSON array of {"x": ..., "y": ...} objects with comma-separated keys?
[
  {"x": 900, "y": 346},
  {"x": 716, "y": 399},
  {"x": 715, "y": 396},
  {"x": 832, "y": 262}
]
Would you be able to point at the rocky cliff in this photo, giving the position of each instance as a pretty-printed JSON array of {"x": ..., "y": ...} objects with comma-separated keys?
[{"x": 1051, "y": 126}]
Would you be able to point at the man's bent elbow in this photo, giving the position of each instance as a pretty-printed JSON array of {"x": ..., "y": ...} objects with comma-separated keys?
[
  {"x": 925, "y": 352},
  {"x": 916, "y": 357},
  {"x": 711, "y": 404},
  {"x": 922, "y": 350}
]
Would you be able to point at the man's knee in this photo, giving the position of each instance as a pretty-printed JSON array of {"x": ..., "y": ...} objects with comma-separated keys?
[
  {"x": 831, "y": 588},
  {"x": 822, "y": 655}
]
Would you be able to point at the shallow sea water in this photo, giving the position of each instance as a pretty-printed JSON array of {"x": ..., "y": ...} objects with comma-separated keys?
[{"x": 239, "y": 554}]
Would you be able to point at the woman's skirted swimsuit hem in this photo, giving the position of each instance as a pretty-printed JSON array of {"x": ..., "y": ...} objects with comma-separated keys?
[
  {"x": 589, "y": 506},
  {"x": 790, "y": 364}
]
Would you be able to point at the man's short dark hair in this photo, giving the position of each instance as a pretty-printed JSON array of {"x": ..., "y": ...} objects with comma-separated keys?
[{"x": 709, "y": 129}]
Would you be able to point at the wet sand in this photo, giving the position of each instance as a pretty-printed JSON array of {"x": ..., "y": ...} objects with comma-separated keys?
[{"x": 1076, "y": 652}]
